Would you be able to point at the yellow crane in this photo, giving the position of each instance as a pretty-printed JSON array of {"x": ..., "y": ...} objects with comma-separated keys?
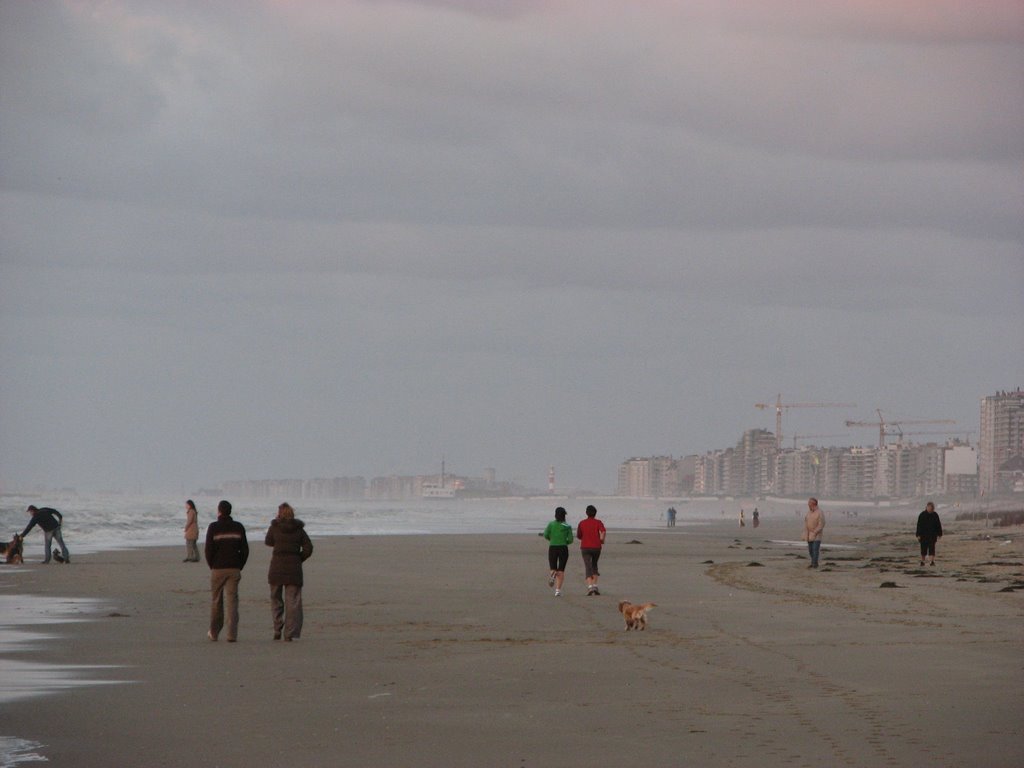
[
  {"x": 780, "y": 406},
  {"x": 893, "y": 427}
]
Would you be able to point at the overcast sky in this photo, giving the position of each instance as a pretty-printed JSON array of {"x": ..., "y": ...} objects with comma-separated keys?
[{"x": 301, "y": 239}]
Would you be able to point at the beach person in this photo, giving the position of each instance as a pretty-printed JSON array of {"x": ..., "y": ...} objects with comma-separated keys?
[
  {"x": 559, "y": 536},
  {"x": 191, "y": 533},
  {"x": 227, "y": 549},
  {"x": 743, "y": 522},
  {"x": 292, "y": 547},
  {"x": 49, "y": 521},
  {"x": 755, "y": 517},
  {"x": 929, "y": 531},
  {"x": 671, "y": 516},
  {"x": 814, "y": 524},
  {"x": 591, "y": 533}
]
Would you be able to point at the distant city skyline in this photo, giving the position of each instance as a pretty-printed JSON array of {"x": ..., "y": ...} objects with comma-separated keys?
[
  {"x": 954, "y": 434},
  {"x": 667, "y": 476}
]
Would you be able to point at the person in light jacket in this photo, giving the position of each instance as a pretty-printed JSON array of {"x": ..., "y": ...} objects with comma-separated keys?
[
  {"x": 814, "y": 525},
  {"x": 191, "y": 533},
  {"x": 292, "y": 547}
]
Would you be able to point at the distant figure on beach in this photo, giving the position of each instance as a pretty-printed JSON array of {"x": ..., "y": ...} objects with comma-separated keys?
[
  {"x": 49, "y": 521},
  {"x": 814, "y": 525},
  {"x": 292, "y": 547},
  {"x": 755, "y": 518},
  {"x": 671, "y": 517},
  {"x": 191, "y": 533},
  {"x": 559, "y": 536},
  {"x": 929, "y": 531},
  {"x": 227, "y": 549},
  {"x": 743, "y": 522},
  {"x": 591, "y": 533}
]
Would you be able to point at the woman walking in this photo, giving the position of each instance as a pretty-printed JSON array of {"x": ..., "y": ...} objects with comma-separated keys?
[
  {"x": 292, "y": 547},
  {"x": 929, "y": 531},
  {"x": 191, "y": 533}
]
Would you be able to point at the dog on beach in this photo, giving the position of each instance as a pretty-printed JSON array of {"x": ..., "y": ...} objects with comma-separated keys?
[
  {"x": 635, "y": 616},
  {"x": 12, "y": 552}
]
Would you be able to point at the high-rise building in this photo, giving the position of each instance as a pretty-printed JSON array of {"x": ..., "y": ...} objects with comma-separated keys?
[
  {"x": 961, "y": 470},
  {"x": 1002, "y": 436},
  {"x": 754, "y": 463},
  {"x": 649, "y": 477}
]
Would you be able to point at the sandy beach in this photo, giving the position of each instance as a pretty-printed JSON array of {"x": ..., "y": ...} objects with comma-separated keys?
[{"x": 452, "y": 651}]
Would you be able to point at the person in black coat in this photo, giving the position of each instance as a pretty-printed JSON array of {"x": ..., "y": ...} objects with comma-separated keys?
[
  {"x": 227, "y": 550},
  {"x": 929, "y": 530},
  {"x": 292, "y": 547},
  {"x": 49, "y": 521}
]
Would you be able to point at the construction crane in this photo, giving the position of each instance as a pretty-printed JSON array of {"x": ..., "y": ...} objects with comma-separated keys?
[
  {"x": 801, "y": 437},
  {"x": 781, "y": 406},
  {"x": 893, "y": 427}
]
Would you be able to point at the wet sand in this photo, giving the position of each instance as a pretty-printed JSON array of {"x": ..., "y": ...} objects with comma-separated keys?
[{"x": 452, "y": 651}]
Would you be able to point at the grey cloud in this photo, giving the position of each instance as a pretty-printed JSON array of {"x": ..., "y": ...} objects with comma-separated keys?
[
  {"x": 294, "y": 239},
  {"x": 433, "y": 139}
]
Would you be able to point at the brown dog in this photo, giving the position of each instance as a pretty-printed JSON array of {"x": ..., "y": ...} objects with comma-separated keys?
[
  {"x": 12, "y": 552},
  {"x": 635, "y": 616}
]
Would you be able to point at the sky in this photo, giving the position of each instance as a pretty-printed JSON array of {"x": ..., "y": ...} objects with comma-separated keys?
[{"x": 314, "y": 239}]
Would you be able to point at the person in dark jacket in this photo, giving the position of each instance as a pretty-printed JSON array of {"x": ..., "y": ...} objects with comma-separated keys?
[
  {"x": 929, "y": 531},
  {"x": 227, "y": 549},
  {"x": 49, "y": 521},
  {"x": 292, "y": 547}
]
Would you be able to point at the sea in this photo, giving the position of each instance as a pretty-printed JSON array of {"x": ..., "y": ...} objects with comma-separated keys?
[{"x": 110, "y": 522}]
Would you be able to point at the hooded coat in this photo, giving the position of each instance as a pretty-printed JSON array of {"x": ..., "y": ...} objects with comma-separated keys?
[
  {"x": 929, "y": 527},
  {"x": 291, "y": 548}
]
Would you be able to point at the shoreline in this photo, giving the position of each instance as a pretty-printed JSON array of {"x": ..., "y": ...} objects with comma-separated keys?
[{"x": 454, "y": 641}]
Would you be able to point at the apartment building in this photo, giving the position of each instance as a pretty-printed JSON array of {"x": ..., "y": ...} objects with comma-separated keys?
[
  {"x": 634, "y": 478},
  {"x": 754, "y": 463},
  {"x": 649, "y": 477},
  {"x": 796, "y": 473},
  {"x": 712, "y": 472},
  {"x": 1001, "y": 438},
  {"x": 960, "y": 470}
]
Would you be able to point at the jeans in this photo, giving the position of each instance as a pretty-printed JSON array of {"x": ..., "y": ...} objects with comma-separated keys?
[
  {"x": 286, "y": 609},
  {"x": 48, "y": 537},
  {"x": 813, "y": 548},
  {"x": 224, "y": 601}
]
